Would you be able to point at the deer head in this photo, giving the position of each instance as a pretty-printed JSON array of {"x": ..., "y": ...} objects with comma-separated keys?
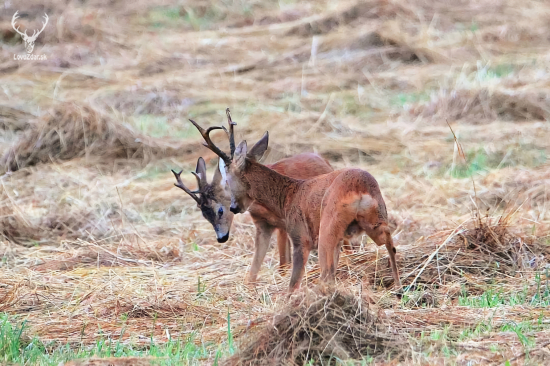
[
  {"x": 235, "y": 164},
  {"x": 29, "y": 40},
  {"x": 213, "y": 199},
  {"x": 238, "y": 184}
]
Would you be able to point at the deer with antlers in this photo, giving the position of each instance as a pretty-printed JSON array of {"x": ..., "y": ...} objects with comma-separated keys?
[
  {"x": 29, "y": 40},
  {"x": 214, "y": 200},
  {"x": 316, "y": 212}
]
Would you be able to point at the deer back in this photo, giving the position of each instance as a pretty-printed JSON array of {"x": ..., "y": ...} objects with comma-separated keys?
[{"x": 301, "y": 166}]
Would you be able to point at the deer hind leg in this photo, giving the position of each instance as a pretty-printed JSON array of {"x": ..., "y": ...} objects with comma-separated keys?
[
  {"x": 380, "y": 234},
  {"x": 283, "y": 243},
  {"x": 330, "y": 235},
  {"x": 300, "y": 254},
  {"x": 263, "y": 236},
  {"x": 347, "y": 246}
]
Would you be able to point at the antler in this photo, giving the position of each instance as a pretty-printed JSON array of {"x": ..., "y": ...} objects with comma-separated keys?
[
  {"x": 209, "y": 144},
  {"x": 230, "y": 134},
  {"x": 180, "y": 184},
  {"x": 13, "y": 19},
  {"x": 34, "y": 34}
]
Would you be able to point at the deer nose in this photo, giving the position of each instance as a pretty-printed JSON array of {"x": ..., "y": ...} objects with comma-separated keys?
[
  {"x": 235, "y": 208},
  {"x": 223, "y": 239}
]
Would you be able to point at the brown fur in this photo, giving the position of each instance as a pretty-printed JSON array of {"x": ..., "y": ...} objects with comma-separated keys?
[
  {"x": 323, "y": 210},
  {"x": 300, "y": 166}
]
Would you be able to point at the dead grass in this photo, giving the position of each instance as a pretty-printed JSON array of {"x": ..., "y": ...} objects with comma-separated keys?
[
  {"x": 115, "y": 361},
  {"x": 96, "y": 242},
  {"x": 66, "y": 223},
  {"x": 71, "y": 131},
  {"x": 321, "y": 328},
  {"x": 473, "y": 254},
  {"x": 482, "y": 106},
  {"x": 14, "y": 119},
  {"x": 15, "y": 227}
]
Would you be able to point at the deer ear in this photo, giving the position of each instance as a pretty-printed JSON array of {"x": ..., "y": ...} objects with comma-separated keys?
[
  {"x": 220, "y": 176},
  {"x": 259, "y": 148},
  {"x": 223, "y": 171},
  {"x": 240, "y": 154},
  {"x": 200, "y": 171}
]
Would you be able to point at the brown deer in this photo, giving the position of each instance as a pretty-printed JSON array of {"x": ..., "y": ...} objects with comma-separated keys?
[
  {"x": 213, "y": 200},
  {"x": 320, "y": 211}
]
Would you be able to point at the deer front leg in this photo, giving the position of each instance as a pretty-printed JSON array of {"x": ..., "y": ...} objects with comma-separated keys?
[
  {"x": 284, "y": 247},
  {"x": 300, "y": 253},
  {"x": 337, "y": 251},
  {"x": 263, "y": 236}
]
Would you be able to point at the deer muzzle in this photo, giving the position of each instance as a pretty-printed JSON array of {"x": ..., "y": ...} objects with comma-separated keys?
[
  {"x": 222, "y": 238},
  {"x": 235, "y": 208}
]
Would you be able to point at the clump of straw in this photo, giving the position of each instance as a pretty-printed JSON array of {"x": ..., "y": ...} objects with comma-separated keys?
[
  {"x": 70, "y": 131},
  {"x": 483, "y": 105},
  {"x": 322, "y": 328}
]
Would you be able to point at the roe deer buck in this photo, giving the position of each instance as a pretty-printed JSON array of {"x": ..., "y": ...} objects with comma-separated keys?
[
  {"x": 322, "y": 210},
  {"x": 214, "y": 201}
]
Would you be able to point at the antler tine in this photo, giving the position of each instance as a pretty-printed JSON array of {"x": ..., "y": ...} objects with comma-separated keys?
[
  {"x": 35, "y": 34},
  {"x": 180, "y": 184},
  {"x": 13, "y": 19},
  {"x": 209, "y": 144},
  {"x": 230, "y": 134},
  {"x": 44, "y": 23}
]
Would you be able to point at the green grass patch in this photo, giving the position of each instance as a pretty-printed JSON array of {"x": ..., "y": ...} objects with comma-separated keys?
[
  {"x": 483, "y": 328},
  {"x": 15, "y": 348},
  {"x": 201, "y": 17},
  {"x": 158, "y": 126},
  {"x": 351, "y": 107},
  {"x": 402, "y": 99},
  {"x": 164, "y": 17},
  {"x": 481, "y": 161},
  {"x": 495, "y": 297},
  {"x": 492, "y": 72},
  {"x": 179, "y": 16}
]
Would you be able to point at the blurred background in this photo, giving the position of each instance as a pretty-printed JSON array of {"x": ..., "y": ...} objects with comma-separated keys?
[{"x": 88, "y": 137}]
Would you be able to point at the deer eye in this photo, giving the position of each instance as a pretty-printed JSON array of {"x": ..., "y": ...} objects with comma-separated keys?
[{"x": 220, "y": 212}]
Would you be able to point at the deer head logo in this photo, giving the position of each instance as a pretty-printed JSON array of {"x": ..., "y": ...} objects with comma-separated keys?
[{"x": 29, "y": 40}]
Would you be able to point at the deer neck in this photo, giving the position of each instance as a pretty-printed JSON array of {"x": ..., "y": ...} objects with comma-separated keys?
[{"x": 269, "y": 188}]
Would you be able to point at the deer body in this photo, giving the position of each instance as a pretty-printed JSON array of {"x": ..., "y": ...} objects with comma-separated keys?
[
  {"x": 265, "y": 220},
  {"x": 325, "y": 210}
]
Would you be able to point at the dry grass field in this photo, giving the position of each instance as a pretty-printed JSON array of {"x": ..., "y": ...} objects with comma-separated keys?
[{"x": 102, "y": 257}]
